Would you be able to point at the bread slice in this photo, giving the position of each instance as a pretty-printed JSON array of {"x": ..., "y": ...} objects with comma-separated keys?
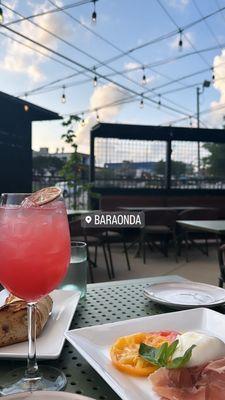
[{"x": 13, "y": 319}]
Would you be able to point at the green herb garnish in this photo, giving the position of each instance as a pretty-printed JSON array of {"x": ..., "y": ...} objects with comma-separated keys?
[{"x": 162, "y": 356}]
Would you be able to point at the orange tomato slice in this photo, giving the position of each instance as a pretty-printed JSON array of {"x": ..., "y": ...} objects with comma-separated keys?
[{"x": 125, "y": 351}]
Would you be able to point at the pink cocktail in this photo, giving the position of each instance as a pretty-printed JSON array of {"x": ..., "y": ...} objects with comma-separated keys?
[
  {"x": 35, "y": 254},
  {"x": 34, "y": 248}
]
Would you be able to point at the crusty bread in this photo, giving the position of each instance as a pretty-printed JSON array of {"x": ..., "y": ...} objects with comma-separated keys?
[{"x": 13, "y": 319}]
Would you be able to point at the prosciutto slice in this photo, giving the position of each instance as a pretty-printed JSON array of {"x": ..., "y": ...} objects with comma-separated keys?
[{"x": 206, "y": 382}]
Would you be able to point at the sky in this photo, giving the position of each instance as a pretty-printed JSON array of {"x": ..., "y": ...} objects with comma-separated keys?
[{"x": 121, "y": 25}]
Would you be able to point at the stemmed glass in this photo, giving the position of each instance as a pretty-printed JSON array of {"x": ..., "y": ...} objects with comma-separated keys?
[{"x": 35, "y": 254}]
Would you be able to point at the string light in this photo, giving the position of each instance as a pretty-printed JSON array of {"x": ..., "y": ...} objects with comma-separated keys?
[
  {"x": 26, "y": 107},
  {"x": 141, "y": 105},
  {"x": 97, "y": 116},
  {"x": 213, "y": 74},
  {"x": 63, "y": 97},
  {"x": 159, "y": 101},
  {"x": 94, "y": 14},
  {"x": 95, "y": 79},
  {"x": 1, "y": 14},
  {"x": 190, "y": 120},
  {"x": 83, "y": 120},
  {"x": 144, "y": 80},
  {"x": 180, "y": 43}
]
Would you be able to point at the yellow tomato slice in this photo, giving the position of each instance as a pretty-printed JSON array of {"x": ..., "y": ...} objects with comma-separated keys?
[{"x": 125, "y": 351}]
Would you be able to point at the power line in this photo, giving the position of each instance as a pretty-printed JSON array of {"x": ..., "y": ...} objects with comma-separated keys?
[
  {"x": 122, "y": 52},
  {"x": 83, "y": 52},
  {"x": 207, "y": 24},
  {"x": 181, "y": 31},
  {"x": 51, "y": 11},
  {"x": 87, "y": 68}
]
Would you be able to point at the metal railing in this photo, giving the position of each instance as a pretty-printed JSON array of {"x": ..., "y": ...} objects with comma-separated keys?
[{"x": 74, "y": 194}]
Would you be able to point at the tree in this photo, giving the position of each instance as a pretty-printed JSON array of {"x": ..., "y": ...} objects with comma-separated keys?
[
  {"x": 214, "y": 162},
  {"x": 43, "y": 164},
  {"x": 73, "y": 170}
]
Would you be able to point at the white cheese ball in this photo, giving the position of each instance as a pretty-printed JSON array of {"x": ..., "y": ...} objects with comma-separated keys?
[{"x": 208, "y": 348}]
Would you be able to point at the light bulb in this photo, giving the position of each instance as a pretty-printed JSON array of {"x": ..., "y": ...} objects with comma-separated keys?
[
  {"x": 144, "y": 80},
  {"x": 97, "y": 117},
  {"x": 94, "y": 14},
  {"x": 26, "y": 107},
  {"x": 95, "y": 81},
  {"x": 1, "y": 16},
  {"x": 180, "y": 43},
  {"x": 141, "y": 105},
  {"x": 159, "y": 101},
  {"x": 82, "y": 120},
  {"x": 63, "y": 97}
]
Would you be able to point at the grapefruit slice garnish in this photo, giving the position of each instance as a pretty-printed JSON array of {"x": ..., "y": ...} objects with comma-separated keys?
[{"x": 43, "y": 196}]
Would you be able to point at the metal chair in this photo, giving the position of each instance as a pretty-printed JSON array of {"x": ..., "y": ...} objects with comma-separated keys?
[
  {"x": 159, "y": 227},
  {"x": 189, "y": 235},
  {"x": 92, "y": 238}
]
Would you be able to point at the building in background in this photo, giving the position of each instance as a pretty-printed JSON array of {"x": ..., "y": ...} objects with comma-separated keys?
[{"x": 15, "y": 141}]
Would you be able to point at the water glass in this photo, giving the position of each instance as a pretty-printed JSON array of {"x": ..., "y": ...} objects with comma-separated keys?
[{"x": 76, "y": 278}]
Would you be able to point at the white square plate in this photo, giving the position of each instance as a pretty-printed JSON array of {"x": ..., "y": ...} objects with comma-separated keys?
[
  {"x": 51, "y": 340},
  {"x": 94, "y": 343}
]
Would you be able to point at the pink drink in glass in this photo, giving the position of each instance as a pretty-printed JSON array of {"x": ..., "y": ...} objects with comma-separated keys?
[{"x": 34, "y": 249}]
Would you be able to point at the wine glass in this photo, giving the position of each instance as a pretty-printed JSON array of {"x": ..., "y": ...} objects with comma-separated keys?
[{"x": 35, "y": 254}]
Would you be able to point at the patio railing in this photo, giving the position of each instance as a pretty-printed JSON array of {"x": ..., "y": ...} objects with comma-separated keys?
[{"x": 74, "y": 194}]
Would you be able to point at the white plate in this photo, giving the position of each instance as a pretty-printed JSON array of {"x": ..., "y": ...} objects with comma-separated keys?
[
  {"x": 51, "y": 340},
  {"x": 93, "y": 344},
  {"x": 185, "y": 294}
]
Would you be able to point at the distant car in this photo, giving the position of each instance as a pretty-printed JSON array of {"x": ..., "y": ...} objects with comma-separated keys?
[{"x": 67, "y": 188}]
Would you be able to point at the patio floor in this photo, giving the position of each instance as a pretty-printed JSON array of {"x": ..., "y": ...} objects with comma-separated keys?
[{"x": 199, "y": 268}]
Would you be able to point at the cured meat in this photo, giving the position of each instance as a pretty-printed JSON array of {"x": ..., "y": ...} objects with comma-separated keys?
[{"x": 199, "y": 383}]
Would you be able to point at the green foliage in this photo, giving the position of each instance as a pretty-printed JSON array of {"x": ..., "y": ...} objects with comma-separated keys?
[
  {"x": 163, "y": 356},
  {"x": 214, "y": 162},
  {"x": 41, "y": 164},
  {"x": 73, "y": 170}
]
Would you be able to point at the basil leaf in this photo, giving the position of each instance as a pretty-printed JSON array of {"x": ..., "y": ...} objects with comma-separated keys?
[
  {"x": 162, "y": 354},
  {"x": 171, "y": 349},
  {"x": 180, "y": 362},
  {"x": 149, "y": 353}
]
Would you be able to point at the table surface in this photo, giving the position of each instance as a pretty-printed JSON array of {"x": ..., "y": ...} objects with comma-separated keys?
[
  {"x": 217, "y": 227},
  {"x": 105, "y": 302}
]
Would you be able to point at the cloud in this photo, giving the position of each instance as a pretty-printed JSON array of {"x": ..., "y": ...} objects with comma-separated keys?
[
  {"x": 135, "y": 71},
  {"x": 219, "y": 83},
  {"x": 23, "y": 60},
  {"x": 178, "y": 4},
  {"x": 187, "y": 37},
  {"x": 102, "y": 95}
]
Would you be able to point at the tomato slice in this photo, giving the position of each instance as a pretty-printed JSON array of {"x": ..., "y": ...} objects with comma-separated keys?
[{"x": 125, "y": 351}]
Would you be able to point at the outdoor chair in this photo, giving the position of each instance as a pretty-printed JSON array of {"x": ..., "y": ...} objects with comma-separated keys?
[
  {"x": 192, "y": 236},
  {"x": 93, "y": 239},
  {"x": 159, "y": 228},
  {"x": 115, "y": 236}
]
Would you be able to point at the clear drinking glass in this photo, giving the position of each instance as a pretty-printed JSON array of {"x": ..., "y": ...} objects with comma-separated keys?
[
  {"x": 35, "y": 254},
  {"x": 76, "y": 277}
]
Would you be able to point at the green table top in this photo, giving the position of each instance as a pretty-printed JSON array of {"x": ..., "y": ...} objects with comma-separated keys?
[
  {"x": 105, "y": 302},
  {"x": 217, "y": 227}
]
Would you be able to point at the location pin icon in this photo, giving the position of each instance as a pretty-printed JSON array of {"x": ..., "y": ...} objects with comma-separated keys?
[{"x": 88, "y": 219}]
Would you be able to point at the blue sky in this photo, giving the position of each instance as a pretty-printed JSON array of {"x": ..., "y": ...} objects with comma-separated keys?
[{"x": 126, "y": 24}]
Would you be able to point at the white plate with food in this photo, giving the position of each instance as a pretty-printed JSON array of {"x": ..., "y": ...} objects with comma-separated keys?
[
  {"x": 133, "y": 377},
  {"x": 183, "y": 295},
  {"x": 51, "y": 338}
]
